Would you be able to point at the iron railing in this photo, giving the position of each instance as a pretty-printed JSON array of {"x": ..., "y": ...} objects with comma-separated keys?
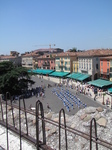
[{"x": 39, "y": 115}]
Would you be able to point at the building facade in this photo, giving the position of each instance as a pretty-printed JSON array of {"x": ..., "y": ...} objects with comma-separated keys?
[
  {"x": 106, "y": 68},
  {"x": 13, "y": 57},
  {"x": 28, "y": 60},
  {"x": 89, "y": 66},
  {"x": 64, "y": 61},
  {"x": 75, "y": 66},
  {"x": 46, "y": 61},
  {"x": 89, "y": 61}
]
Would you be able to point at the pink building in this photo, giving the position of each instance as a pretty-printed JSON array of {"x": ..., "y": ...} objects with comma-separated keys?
[{"x": 47, "y": 61}]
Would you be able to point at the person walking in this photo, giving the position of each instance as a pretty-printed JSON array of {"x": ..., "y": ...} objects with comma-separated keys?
[{"x": 49, "y": 107}]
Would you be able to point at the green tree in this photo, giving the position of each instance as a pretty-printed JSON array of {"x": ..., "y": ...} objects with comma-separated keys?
[
  {"x": 13, "y": 80},
  {"x": 5, "y": 66},
  {"x": 73, "y": 50}
]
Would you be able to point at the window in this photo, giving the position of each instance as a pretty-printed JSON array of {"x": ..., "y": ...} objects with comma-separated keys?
[
  {"x": 110, "y": 63},
  {"x": 111, "y": 69},
  {"x": 107, "y": 63},
  {"x": 65, "y": 63},
  {"x": 96, "y": 66},
  {"x": 82, "y": 65},
  {"x": 96, "y": 58},
  {"x": 89, "y": 66},
  {"x": 101, "y": 70},
  {"x": 101, "y": 63},
  {"x": 107, "y": 70}
]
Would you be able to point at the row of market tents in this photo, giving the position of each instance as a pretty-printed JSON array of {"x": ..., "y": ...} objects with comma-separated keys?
[{"x": 75, "y": 76}]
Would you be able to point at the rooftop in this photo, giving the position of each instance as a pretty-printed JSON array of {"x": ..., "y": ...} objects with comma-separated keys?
[
  {"x": 7, "y": 56},
  {"x": 65, "y": 54},
  {"x": 95, "y": 52},
  {"x": 47, "y": 56}
]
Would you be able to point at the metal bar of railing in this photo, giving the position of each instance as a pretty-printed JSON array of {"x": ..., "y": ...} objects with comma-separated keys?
[
  {"x": 20, "y": 124},
  {"x": 82, "y": 134},
  {"x": 25, "y": 115},
  {"x": 62, "y": 111},
  {"x": 7, "y": 94},
  {"x": 39, "y": 105},
  {"x": 1, "y": 108},
  {"x": 91, "y": 123},
  {"x": 12, "y": 113},
  {"x": 75, "y": 131}
]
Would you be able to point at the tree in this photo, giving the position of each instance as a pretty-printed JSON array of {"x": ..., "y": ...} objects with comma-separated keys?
[
  {"x": 5, "y": 66},
  {"x": 13, "y": 80},
  {"x": 73, "y": 50}
]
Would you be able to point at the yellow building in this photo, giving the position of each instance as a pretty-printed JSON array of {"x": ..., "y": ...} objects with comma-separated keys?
[
  {"x": 75, "y": 66},
  {"x": 64, "y": 61}
]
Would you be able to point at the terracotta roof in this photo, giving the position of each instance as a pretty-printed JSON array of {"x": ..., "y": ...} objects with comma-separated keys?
[
  {"x": 44, "y": 56},
  {"x": 65, "y": 54},
  {"x": 88, "y": 53},
  {"x": 7, "y": 57},
  {"x": 30, "y": 54},
  {"x": 47, "y": 56},
  {"x": 95, "y": 52}
]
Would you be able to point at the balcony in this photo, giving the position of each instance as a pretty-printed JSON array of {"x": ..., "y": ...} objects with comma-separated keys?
[
  {"x": 60, "y": 66},
  {"x": 46, "y": 64}
]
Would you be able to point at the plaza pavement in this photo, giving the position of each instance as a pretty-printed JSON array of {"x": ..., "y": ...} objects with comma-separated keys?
[{"x": 54, "y": 102}]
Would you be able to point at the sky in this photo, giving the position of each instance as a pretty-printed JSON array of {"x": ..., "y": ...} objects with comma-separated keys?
[{"x": 26, "y": 25}]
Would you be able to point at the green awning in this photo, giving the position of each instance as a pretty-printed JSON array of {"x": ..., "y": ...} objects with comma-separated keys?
[
  {"x": 100, "y": 83},
  {"x": 110, "y": 90},
  {"x": 78, "y": 76},
  {"x": 42, "y": 71},
  {"x": 83, "y": 77},
  {"x": 70, "y": 75},
  {"x": 74, "y": 75},
  {"x": 59, "y": 74}
]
